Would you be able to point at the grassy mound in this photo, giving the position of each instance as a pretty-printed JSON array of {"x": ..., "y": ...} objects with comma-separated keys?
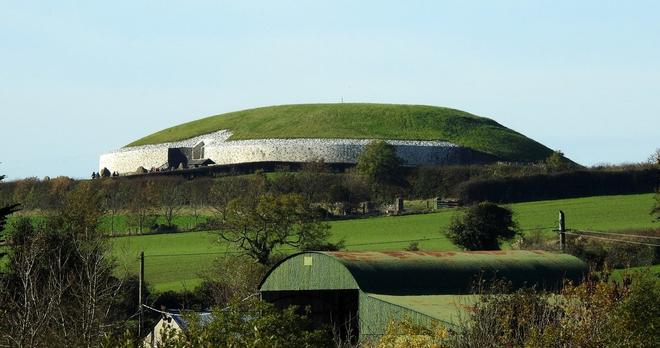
[{"x": 363, "y": 121}]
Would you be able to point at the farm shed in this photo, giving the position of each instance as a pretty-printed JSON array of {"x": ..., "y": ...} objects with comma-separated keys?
[{"x": 359, "y": 292}]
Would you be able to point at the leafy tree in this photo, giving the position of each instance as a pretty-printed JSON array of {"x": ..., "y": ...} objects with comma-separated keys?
[
  {"x": 6, "y": 210},
  {"x": 379, "y": 163},
  {"x": 557, "y": 162},
  {"x": 482, "y": 227},
  {"x": 258, "y": 227}
]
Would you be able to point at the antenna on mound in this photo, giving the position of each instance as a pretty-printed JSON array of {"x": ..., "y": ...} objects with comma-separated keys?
[{"x": 342, "y": 100}]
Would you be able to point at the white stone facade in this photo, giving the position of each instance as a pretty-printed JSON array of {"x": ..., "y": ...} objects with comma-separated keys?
[{"x": 222, "y": 152}]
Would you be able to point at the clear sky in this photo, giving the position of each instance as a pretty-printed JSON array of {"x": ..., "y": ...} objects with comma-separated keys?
[{"x": 81, "y": 78}]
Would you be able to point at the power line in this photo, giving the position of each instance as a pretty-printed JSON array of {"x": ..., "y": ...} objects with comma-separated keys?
[
  {"x": 180, "y": 315},
  {"x": 612, "y": 239}
]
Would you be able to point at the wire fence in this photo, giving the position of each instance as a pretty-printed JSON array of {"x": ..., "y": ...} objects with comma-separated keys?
[{"x": 600, "y": 236}]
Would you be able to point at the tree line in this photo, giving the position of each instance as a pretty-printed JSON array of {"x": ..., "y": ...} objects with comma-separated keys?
[{"x": 378, "y": 177}]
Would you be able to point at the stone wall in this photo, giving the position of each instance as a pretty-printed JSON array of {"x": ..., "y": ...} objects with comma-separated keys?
[
  {"x": 222, "y": 152},
  {"x": 129, "y": 161},
  {"x": 329, "y": 150}
]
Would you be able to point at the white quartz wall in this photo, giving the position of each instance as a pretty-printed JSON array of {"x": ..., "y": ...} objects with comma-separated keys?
[
  {"x": 129, "y": 161},
  {"x": 221, "y": 151},
  {"x": 330, "y": 151}
]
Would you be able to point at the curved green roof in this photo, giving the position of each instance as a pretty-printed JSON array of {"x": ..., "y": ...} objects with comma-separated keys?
[
  {"x": 363, "y": 121},
  {"x": 422, "y": 272}
]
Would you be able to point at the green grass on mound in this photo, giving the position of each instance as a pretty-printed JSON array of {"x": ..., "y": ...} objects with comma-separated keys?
[{"x": 363, "y": 121}]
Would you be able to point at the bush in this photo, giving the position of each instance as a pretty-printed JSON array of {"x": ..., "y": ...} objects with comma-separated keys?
[
  {"x": 596, "y": 313},
  {"x": 482, "y": 227},
  {"x": 598, "y": 253},
  {"x": 249, "y": 324},
  {"x": 164, "y": 228}
]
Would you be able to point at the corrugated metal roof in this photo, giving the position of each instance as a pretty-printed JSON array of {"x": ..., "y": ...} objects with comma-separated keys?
[{"x": 424, "y": 272}]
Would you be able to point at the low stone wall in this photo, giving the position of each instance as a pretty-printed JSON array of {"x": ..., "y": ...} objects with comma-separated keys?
[{"x": 223, "y": 152}]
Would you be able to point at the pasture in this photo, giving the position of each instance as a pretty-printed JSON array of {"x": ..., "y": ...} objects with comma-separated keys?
[{"x": 175, "y": 261}]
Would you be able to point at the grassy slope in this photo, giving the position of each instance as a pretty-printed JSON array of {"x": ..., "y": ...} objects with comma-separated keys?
[
  {"x": 606, "y": 213},
  {"x": 362, "y": 121}
]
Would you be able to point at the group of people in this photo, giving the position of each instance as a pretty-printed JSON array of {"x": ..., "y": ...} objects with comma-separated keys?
[{"x": 96, "y": 175}]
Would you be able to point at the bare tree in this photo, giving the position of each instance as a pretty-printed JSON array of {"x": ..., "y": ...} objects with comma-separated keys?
[
  {"x": 141, "y": 206},
  {"x": 115, "y": 199},
  {"x": 169, "y": 197},
  {"x": 197, "y": 192},
  {"x": 29, "y": 300}
]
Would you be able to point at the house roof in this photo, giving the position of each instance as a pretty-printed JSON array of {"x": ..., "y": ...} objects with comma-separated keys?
[
  {"x": 422, "y": 272},
  {"x": 180, "y": 317}
]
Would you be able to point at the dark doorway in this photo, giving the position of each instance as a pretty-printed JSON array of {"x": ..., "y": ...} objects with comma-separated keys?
[{"x": 337, "y": 309}]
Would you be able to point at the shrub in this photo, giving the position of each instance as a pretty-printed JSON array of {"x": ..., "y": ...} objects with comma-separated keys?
[
  {"x": 482, "y": 227},
  {"x": 249, "y": 324}
]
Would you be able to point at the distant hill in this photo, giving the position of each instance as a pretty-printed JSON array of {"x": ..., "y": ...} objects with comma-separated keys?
[{"x": 363, "y": 121}]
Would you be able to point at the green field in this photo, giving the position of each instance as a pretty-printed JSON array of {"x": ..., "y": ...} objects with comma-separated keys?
[
  {"x": 175, "y": 260},
  {"x": 362, "y": 121},
  {"x": 654, "y": 270}
]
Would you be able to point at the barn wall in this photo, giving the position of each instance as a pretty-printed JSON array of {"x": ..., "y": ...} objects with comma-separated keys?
[
  {"x": 375, "y": 314},
  {"x": 296, "y": 273}
]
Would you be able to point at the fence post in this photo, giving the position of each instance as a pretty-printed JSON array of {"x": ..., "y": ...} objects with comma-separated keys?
[{"x": 562, "y": 230}]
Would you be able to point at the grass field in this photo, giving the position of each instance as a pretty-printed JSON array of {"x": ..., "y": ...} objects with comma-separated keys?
[
  {"x": 654, "y": 270},
  {"x": 362, "y": 121},
  {"x": 174, "y": 261}
]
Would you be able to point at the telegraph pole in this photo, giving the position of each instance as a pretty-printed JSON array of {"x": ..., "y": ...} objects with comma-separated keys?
[
  {"x": 562, "y": 230},
  {"x": 141, "y": 281}
]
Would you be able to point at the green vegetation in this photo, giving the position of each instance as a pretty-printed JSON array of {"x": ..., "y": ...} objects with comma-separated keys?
[
  {"x": 267, "y": 327},
  {"x": 260, "y": 226},
  {"x": 618, "y": 274},
  {"x": 165, "y": 270},
  {"x": 595, "y": 313},
  {"x": 363, "y": 121},
  {"x": 379, "y": 163},
  {"x": 483, "y": 227}
]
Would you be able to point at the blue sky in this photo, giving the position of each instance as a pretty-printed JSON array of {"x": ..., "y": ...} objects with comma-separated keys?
[{"x": 81, "y": 78}]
